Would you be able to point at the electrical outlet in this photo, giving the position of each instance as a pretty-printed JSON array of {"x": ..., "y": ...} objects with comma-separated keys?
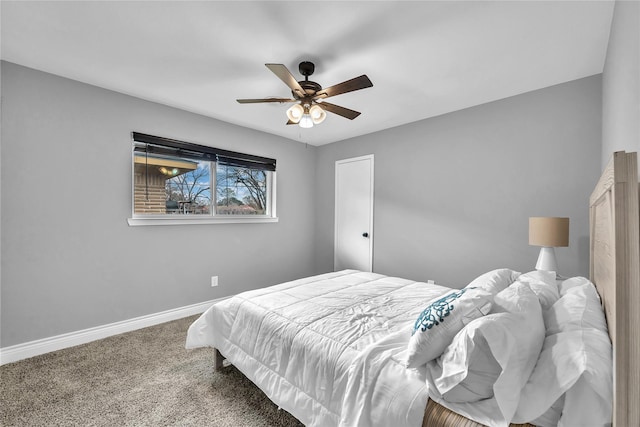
[{"x": 214, "y": 281}]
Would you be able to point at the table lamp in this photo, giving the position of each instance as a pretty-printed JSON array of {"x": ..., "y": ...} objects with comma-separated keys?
[{"x": 548, "y": 232}]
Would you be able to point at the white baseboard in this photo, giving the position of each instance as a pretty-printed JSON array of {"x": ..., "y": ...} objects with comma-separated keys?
[{"x": 18, "y": 352}]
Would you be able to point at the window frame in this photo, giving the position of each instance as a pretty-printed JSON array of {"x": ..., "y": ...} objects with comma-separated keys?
[{"x": 213, "y": 156}]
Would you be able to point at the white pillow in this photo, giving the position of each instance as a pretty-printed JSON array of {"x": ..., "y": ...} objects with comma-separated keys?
[
  {"x": 494, "y": 281},
  {"x": 467, "y": 370},
  {"x": 579, "y": 308},
  {"x": 441, "y": 320},
  {"x": 514, "y": 334},
  {"x": 567, "y": 284},
  {"x": 544, "y": 285},
  {"x": 576, "y": 363}
]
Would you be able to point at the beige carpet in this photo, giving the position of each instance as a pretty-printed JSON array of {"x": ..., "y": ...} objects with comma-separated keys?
[{"x": 141, "y": 378}]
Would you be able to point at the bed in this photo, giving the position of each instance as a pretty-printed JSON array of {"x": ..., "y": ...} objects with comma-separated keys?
[{"x": 354, "y": 348}]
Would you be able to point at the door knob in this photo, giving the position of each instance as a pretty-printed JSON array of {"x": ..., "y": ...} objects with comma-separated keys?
[{"x": 365, "y": 234}]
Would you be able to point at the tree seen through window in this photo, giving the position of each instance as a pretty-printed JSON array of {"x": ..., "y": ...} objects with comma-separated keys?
[{"x": 240, "y": 191}]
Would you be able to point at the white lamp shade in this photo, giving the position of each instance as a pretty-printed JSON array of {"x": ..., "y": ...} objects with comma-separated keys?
[
  {"x": 306, "y": 121},
  {"x": 295, "y": 113},
  {"x": 317, "y": 114}
]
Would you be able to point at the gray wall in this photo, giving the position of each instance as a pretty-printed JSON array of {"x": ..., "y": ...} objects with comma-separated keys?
[
  {"x": 69, "y": 259},
  {"x": 457, "y": 187},
  {"x": 453, "y": 194},
  {"x": 621, "y": 83}
]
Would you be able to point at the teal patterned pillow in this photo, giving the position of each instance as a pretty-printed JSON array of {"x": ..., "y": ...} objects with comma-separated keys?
[
  {"x": 442, "y": 319},
  {"x": 435, "y": 313}
]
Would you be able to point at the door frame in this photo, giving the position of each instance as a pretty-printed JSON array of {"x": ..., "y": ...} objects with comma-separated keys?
[{"x": 371, "y": 205}]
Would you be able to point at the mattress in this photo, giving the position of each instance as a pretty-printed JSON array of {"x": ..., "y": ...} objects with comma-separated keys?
[{"x": 329, "y": 349}]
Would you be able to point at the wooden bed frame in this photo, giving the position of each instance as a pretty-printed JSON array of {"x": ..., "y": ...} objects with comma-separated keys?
[{"x": 615, "y": 271}]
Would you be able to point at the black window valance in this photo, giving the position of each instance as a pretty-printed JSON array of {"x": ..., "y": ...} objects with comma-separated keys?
[{"x": 173, "y": 147}]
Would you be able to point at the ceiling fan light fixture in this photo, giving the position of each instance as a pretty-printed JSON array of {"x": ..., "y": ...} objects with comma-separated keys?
[
  {"x": 295, "y": 113},
  {"x": 306, "y": 121},
  {"x": 308, "y": 96},
  {"x": 317, "y": 114}
]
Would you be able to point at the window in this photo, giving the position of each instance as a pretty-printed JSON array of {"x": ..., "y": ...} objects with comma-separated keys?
[{"x": 176, "y": 182}]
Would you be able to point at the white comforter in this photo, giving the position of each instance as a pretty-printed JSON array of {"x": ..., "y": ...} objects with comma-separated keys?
[{"x": 330, "y": 352}]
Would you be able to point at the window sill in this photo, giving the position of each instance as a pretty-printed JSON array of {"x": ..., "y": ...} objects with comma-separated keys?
[{"x": 134, "y": 222}]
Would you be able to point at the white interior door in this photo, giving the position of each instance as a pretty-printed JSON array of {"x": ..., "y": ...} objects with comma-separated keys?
[{"x": 353, "y": 243}]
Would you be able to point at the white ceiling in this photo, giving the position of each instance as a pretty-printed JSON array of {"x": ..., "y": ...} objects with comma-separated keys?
[{"x": 425, "y": 58}]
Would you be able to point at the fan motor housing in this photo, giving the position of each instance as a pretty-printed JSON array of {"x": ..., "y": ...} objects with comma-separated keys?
[
  {"x": 307, "y": 68},
  {"x": 310, "y": 87}
]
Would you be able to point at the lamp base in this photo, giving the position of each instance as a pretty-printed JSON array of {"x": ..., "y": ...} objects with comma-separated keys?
[{"x": 547, "y": 260}]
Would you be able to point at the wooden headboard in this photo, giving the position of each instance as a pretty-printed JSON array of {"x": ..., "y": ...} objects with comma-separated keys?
[{"x": 615, "y": 270}]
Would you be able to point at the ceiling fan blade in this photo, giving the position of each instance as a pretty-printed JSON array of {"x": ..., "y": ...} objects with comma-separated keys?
[
  {"x": 254, "y": 101},
  {"x": 341, "y": 111},
  {"x": 356, "y": 83},
  {"x": 291, "y": 123},
  {"x": 285, "y": 75}
]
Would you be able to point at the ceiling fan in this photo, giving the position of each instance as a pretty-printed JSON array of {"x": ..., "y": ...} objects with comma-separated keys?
[{"x": 310, "y": 107}]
